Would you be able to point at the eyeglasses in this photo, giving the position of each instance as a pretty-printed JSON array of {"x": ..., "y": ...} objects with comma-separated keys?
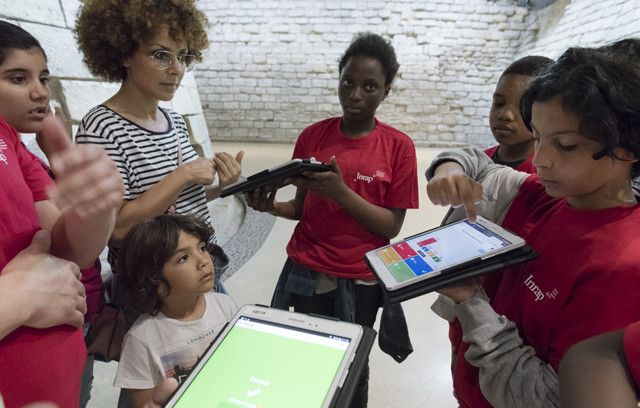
[{"x": 161, "y": 60}]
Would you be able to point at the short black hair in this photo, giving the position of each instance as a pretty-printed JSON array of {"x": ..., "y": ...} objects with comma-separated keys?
[
  {"x": 531, "y": 65},
  {"x": 604, "y": 92},
  {"x": 627, "y": 48},
  {"x": 146, "y": 249},
  {"x": 372, "y": 46},
  {"x": 13, "y": 37}
]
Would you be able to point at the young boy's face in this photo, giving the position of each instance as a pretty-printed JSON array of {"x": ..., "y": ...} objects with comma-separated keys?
[
  {"x": 504, "y": 119},
  {"x": 565, "y": 164},
  {"x": 190, "y": 271},
  {"x": 24, "y": 89}
]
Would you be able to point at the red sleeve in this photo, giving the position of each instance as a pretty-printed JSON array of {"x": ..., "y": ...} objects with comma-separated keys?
[
  {"x": 631, "y": 343},
  {"x": 32, "y": 170},
  {"x": 403, "y": 189}
]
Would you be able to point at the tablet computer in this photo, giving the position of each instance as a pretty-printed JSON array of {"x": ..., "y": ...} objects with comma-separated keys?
[
  {"x": 271, "y": 358},
  {"x": 292, "y": 168},
  {"x": 440, "y": 251}
]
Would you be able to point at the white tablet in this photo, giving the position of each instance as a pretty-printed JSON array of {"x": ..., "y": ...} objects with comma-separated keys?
[
  {"x": 440, "y": 250},
  {"x": 271, "y": 358}
]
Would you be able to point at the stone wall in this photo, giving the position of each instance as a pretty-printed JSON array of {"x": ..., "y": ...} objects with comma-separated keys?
[
  {"x": 51, "y": 22},
  {"x": 272, "y": 65},
  {"x": 580, "y": 23}
]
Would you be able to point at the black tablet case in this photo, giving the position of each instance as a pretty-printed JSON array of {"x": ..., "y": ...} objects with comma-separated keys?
[
  {"x": 266, "y": 177},
  {"x": 344, "y": 395},
  {"x": 477, "y": 268}
]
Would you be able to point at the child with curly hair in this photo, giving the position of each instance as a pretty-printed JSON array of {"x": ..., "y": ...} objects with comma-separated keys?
[
  {"x": 579, "y": 213},
  {"x": 173, "y": 289}
]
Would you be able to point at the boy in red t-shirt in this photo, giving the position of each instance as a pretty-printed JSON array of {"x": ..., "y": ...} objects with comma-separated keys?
[
  {"x": 579, "y": 213},
  {"x": 515, "y": 141}
]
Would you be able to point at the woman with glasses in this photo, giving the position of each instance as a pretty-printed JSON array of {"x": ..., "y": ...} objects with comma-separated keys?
[{"x": 147, "y": 46}]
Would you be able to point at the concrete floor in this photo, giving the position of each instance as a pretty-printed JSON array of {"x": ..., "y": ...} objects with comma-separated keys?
[{"x": 422, "y": 380}]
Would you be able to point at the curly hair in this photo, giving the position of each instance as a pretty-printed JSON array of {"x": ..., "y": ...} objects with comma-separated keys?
[
  {"x": 372, "y": 46},
  {"x": 603, "y": 91},
  {"x": 147, "y": 248},
  {"x": 110, "y": 31}
]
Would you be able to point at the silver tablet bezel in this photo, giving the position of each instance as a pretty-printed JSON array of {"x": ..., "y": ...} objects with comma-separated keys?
[
  {"x": 389, "y": 281},
  {"x": 296, "y": 320}
]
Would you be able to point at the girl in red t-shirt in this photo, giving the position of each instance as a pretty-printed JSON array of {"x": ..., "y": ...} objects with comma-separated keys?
[
  {"x": 42, "y": 301},
  {"x": 356, "y": 207}
]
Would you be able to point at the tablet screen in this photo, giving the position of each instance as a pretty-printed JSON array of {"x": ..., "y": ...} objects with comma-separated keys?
[
  {"x": 266, "y": 364},
  {"x": 433, "y": 251}
]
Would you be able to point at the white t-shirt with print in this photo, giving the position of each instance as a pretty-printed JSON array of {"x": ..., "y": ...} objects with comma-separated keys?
[{"x": 158, "y": 347}]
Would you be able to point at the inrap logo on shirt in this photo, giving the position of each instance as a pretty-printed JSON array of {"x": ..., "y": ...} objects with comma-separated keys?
[
  {"x": 537, "y": 291},
  {"x": 368, "y": 179}
]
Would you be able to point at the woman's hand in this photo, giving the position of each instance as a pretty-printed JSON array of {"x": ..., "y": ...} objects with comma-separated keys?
[
  {"x": 200, "y": 171},
  {"x": 228, "y": 167},
  {"x": 450, "y": 186}
]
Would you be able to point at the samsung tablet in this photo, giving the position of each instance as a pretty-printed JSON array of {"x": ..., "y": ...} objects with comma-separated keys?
[
  {"x": 440, "y": 251},
  {"x": 274, "y": 175},
  {"x": 271, "y": 358}
]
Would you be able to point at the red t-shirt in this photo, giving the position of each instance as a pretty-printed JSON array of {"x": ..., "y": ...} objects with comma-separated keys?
[
  {"x": 526, "y": 166},
  {"x": 35, "y": 364},
  {"x": 381, "y": 167},
  {"x": 589, "y": 261},
  {"x": 631, "y": 343}
]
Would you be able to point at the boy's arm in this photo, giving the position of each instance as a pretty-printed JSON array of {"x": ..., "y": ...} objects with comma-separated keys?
[
  {"x": 511, "y": 375},
  {"x": 593, "y": 374},
  {"x": 139, "y": 398},
  {"x": 451, "y": 176},
  {"x": 160, "y": 395}
]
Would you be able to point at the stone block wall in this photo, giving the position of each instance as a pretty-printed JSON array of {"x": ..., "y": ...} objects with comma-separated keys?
[
  {"x": 272, "y": 65},
  {"x": 567, "y": 23}
]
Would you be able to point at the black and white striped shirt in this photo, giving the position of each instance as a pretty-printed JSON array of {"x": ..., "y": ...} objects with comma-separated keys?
[{"x": 144, "y": 157}]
